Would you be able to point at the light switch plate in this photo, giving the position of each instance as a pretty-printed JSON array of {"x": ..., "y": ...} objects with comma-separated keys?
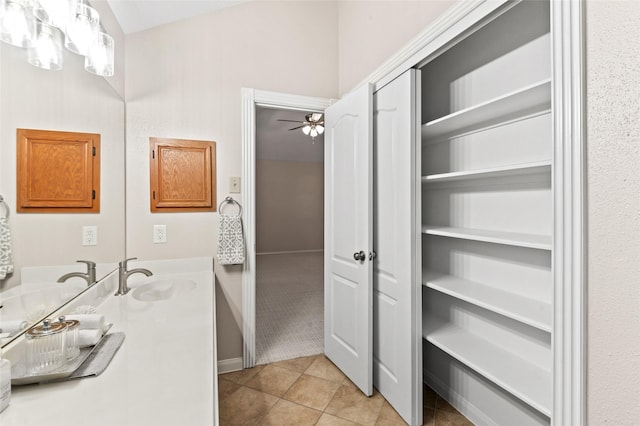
[
  {"x": 234, "y": 184},
  {"x": 89, "y": 235},
  {"x": 159, "y": 234}
]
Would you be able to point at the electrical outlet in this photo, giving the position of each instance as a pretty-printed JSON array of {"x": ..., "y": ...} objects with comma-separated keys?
[
  {"x": 89, "y": 235},
  {"x": 234, "y": 184},
  {"x": 159, "y": 234}
]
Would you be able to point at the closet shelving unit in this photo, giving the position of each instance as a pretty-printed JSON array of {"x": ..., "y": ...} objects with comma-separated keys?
[{"x": 487, "y": 220}]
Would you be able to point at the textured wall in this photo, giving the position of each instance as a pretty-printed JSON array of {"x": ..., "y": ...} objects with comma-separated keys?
[
  {"x": 371, "y": 31},
  {"x": 613, "y": 140},
  {"x": 289, "y": 206},
  {"x": 183, "y": 80}
]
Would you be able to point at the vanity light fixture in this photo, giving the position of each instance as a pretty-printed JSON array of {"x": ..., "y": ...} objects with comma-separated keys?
[{"x": 42, "y": 26}]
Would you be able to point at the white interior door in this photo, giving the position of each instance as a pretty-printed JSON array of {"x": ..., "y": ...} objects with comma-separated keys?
[
  {"x": 348, "y": 289},
  {"x": 397, "y": 354}
]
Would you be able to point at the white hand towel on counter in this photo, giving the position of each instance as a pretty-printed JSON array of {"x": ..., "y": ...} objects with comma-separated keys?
[
  {"x": 88, "y": 338},
  {"x": 89, "y": 321},
  {"x": 6, "y": 263},
  {"x": 230, "y": 241},
  {"x": 12, "y": 326}
]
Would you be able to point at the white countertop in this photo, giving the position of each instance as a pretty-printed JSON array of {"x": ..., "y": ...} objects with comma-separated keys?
[{"x": 164, "y": 373}]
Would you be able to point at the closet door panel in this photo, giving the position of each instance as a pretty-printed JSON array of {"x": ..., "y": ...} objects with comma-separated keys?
[
  {"x": 396, "y": 307},
  {"x": 348, "y": 290}
]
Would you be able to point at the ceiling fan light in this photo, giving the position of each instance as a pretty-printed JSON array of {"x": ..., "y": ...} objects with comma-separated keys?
[
  {"x": 313, "y": 132},
  {"x": 320, "y": 129},
  {"x": 306, "y": 129}
]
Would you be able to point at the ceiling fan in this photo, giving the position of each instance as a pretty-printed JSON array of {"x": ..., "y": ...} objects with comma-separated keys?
[{"x": 313, "y": 124}]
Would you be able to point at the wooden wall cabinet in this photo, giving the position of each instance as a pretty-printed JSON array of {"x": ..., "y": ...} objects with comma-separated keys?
[
  {"x": 183, "y": 175},
  {"x": 58, "y": 172}
]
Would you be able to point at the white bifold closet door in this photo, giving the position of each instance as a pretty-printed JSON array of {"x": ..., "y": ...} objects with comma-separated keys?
[
  {"x": 397, "y": 307},
  {"x": 348, "y": 289},
  {"x": 372, "y": 246}
]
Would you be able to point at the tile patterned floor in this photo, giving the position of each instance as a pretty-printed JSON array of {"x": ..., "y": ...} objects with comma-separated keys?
[{"x": 313, "y": 391}]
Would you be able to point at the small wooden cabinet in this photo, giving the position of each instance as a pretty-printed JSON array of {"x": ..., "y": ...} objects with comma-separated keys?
[
  {"x": 183, "y": 176},
  {"x": 58, "y": 172}
]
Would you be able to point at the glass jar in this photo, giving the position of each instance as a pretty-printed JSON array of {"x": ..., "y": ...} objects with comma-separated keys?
[
  {"x": 72, "y": 344},
  {"x": 46, "y": 347}
]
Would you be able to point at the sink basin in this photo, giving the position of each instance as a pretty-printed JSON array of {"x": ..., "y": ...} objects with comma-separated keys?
[{"x": 155, "y": 291}]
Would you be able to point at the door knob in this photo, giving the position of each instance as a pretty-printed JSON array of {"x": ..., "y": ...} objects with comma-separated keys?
[
  {"x": 359, "y": 256},
  {"x": 372, "y": 255}
]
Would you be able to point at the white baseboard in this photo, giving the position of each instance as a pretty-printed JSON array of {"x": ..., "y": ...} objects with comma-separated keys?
[
  {"x": 290, "y": 252},
  {"x": 229, "y": 365}
]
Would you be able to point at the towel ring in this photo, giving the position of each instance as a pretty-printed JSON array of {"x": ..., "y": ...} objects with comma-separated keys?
[
  {"x": 4, "y": 208},
  {"x": 229, "y": 200}
]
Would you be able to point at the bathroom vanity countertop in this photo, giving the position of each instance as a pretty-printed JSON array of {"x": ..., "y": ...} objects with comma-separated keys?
[{"x": 164, "y": 373}]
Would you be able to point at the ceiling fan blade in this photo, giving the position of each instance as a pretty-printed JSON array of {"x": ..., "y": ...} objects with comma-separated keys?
[
  {"x": 291, "y": 121},
  {"x": 316, "y": 116},
  {"x": 299, "y": 127}
]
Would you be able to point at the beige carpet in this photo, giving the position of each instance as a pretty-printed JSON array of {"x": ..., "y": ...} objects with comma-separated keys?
[{"x": 289, "y": 306}]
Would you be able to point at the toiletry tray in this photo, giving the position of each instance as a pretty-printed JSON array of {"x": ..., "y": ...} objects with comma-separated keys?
[{"x": 21, "y": 376}]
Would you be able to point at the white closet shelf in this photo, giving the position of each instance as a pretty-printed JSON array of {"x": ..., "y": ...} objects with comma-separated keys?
[
  {"x": 525, "y": 99},
  {"x": 532, "y": 312},
  {"x": 539, "y": 167},
  {"x": 541, "y": 242},
  {"x": 518, "y": 376}
]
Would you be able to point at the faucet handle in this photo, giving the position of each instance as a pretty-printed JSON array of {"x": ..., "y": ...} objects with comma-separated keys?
[
  {"x": 123, "y": 264},
  {"x": 90, "y": 265}
]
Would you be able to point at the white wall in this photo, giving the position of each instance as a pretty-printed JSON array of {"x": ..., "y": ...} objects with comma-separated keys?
[
  {"x": 371, "y": 31},
  {"x": 67, "y": 100},
  {"x": 183, "y": 80},
  {"x": 613, "y": 141}
]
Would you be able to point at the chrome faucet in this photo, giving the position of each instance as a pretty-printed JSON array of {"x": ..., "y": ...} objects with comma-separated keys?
[
  {"x": 90, "y": 276},
  {"x": 124, "y": 274}
]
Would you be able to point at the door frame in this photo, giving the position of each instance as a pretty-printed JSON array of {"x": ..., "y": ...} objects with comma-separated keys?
[{"x": 252, "y": 98}]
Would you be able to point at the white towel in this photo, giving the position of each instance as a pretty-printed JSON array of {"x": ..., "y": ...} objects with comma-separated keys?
[
  {"x": 88, "y": 338},
  {"x": 12, "y": 326},
  {"x": 230, "y": 241},
  {"x": 89, "y": 321},
  {"x": 6, "y": 264}
]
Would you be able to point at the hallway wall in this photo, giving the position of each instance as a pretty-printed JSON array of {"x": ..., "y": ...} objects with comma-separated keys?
[{"x": 289, "y": 206}]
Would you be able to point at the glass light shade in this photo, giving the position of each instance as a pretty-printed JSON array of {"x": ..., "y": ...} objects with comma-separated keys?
[
  {"x": 320, "y": 128},
  {"x": 100, "y": 59},
  {"x": 17, "y": 23},
  {"x": 47, "y": 50},
  {"x": 82, "y": 28},
  {"x": 306, "y": 129},
  {"x": 313, "y": 132},
  {"x": 54, "y": 12}
]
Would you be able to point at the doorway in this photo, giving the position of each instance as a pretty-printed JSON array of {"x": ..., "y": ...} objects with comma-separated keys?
[
  {"x": 252, "y": 100},
  {"x": 289, "y": 202}
]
